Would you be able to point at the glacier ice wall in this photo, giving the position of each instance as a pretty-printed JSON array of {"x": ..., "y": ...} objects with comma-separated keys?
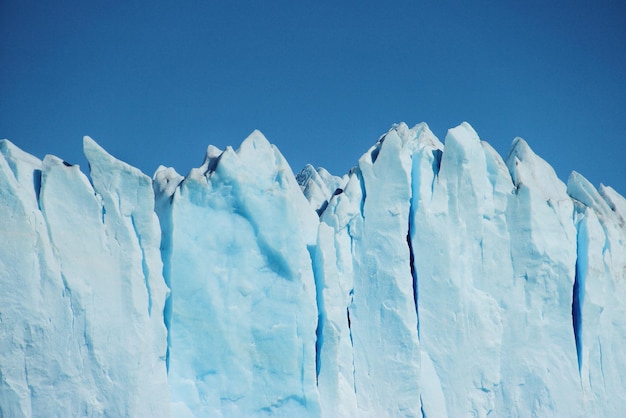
[
  {"x": 432, "y": 280},
  {"x": 243, "y": 314},
  {"x": 81, "y": 329}
]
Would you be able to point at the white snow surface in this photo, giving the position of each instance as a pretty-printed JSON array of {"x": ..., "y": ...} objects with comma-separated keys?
[{"x": 431, "y": 280}]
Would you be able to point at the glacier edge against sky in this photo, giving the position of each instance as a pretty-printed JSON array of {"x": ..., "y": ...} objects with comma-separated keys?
[{"x": 446, "y": 270}]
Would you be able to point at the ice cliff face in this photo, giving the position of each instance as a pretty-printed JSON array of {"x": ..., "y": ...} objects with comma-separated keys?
[
  {"x": 429, "y": 281},
  {"x": 82, "y": 292},
  {"x": 242, "y": 324}
]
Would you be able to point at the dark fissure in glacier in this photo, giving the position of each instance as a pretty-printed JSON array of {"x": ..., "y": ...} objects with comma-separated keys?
[
  {"x": 351, "y": 339},
  {"x": 144, "y": 263},
  {"x": 577, "y": 319},
  {"x": 579, "y": 287},
  {"x": 414, "y": 275},
  {"x": 37, "y": 185},
  {"x": 163, "y": 210},
  {"x": 318, "y": 277}
]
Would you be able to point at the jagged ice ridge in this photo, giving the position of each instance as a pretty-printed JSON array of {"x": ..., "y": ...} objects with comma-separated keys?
[{"x": 430, "y": 281}]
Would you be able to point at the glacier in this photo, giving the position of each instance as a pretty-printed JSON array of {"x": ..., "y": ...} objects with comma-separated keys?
[{"x": 434, "y": 279}]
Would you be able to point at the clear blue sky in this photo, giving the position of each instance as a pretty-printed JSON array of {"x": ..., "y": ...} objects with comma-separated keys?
[{"x": 156, "y": 82}]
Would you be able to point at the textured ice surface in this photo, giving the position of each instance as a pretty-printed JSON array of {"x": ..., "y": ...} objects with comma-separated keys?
[
  {"x": 599, "y": 308},
  {"x": 243, "y": 306},
  {"x": 82, "y": 298},
  {"x": 319, "y": 185},
  {"x": 430, "y": 281},
  {"x": 494, "y": 263},
  {"x": 382, "y": 310}
]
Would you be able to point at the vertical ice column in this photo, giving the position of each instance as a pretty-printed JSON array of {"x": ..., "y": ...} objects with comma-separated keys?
[
  {"x": 461, "y": 255},
  {"x": 90, "y": 342},
  {"x": 600, "y": 292},
  {"x": 134, "y": 237},
  {"x": 38, "y": 373},
  {"x": 382, "y": 313},
  {"x": 494, "y": 265},
  {"x": 243, "y": 309},
  {"x": 334, "y": 276},
  {"x": 539, "y": 362},
  {"x": 110, "y": 264}
]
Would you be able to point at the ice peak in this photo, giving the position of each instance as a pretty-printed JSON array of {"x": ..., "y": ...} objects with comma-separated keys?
[
  {"x": 462, "y": 150},
  {"x": 256, "y": 140},
  {"x": 14, "y": 153},
  {"x": 318, "y": 186},
  {"x": 17, "y": 158},
  {"x": 521, "y": 151},
  {"x": 464, "y": 130},
  {"x": 579, "y": 188},
  {"x": 416, "y": 137},
  {"x": 530, "y": 170},
  {"x": 117, "y": 181},
  {"x": 411, "y": 140},
  {"x": 53, "y": 160},
  {"x": 93, "y": 150},
  {"x": 616, "y": 202},
  {"x": 463, "y": 133},
  {"x": 307, "y": 173},
  {"x": 401, "y": 129},
  {"x": 211, "y": 158},
  {"x": 165, "y": 182},
  {"x": 213, "y": 152},
  {"x": 313, "y": 187},
  {"x": 98, "y": 156},
  {"x": 26, "y": 168}
]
